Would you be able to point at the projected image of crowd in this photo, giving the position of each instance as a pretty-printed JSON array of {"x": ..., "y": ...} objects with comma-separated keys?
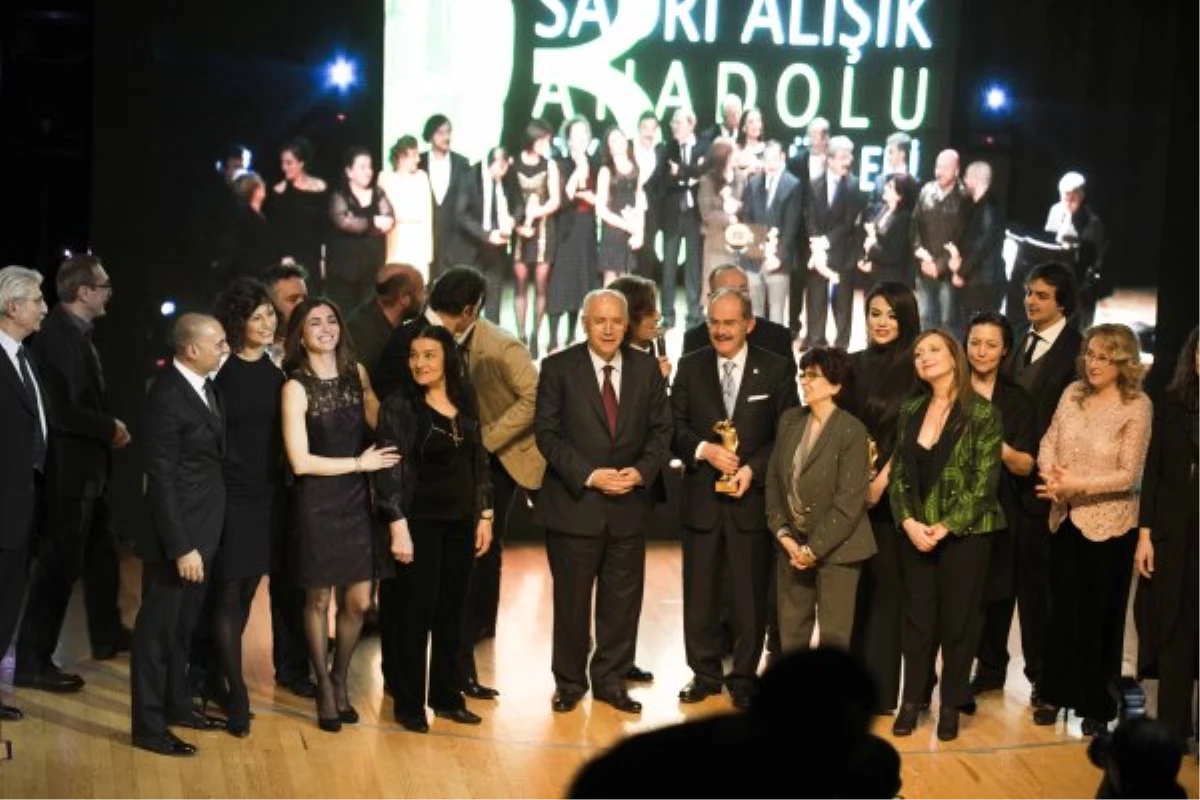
[{"x": 360, "y": 411}]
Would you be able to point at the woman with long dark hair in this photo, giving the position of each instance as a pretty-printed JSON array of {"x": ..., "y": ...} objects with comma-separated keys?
[
  {"x": 621, "y": 206},
  {"x": 1166, "y": 558},
  {"x": 887, "y": 254},
  {"x": 884, "y": 380},
  {"x": 438, "y": 503},
  {"x": 250, "y": 384},
  {"x": 944, "y": 496},
  {"x": 574, "y": 273},
  {"x": 328, "y": 411},
  {"x": 362, "y": 216},
  {"x": 533, "y": 250},
  {"x": 1090, "y": 465},
  {"x": 719, "y": 200}
]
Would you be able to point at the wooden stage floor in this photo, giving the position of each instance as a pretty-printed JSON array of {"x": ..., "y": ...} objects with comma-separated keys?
[{"x": 78, "y": 745}]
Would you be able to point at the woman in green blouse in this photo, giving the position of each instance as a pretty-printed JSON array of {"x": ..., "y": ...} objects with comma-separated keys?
[{"x": 943, "y": 493}]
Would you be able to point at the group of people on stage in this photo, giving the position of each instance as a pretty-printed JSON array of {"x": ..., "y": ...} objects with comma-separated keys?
[{"x": 806, "y": 229}]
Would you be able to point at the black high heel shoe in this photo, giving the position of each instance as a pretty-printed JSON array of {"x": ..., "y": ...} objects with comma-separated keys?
[
  {"x": 328, "y": 724},
  {"x": 348, "y": 715},
  {"x": 1048, "y": 715}
]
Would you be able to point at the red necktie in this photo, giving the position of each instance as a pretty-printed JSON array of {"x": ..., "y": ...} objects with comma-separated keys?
[{"x": 609, "y": 396}]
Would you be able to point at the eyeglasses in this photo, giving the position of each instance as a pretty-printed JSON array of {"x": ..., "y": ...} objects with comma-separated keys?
[
  {"x": 810, "y": 375},
  {"x": 1103, "y": 359},
  {"x": 107, "y": 285}
]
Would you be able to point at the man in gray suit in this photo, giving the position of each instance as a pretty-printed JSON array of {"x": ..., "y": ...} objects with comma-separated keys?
[{"x": 817, "y": 507}]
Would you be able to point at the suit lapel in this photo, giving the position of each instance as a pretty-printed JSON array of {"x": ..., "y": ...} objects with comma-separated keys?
[
  {"x": 198, "y": 405},
  {"x": 10, "y": 373},
  {"x": 591, "y": 383},
  {"x": 750, "y": 380},
  {"x": 819, "y": 444}
]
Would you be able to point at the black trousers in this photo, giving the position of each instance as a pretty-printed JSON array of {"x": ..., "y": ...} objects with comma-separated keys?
[
  {"x": 162, "y": 637},
  {"x": 879, "y": 609},
  {"x": 818, "y": 300},
  {"x": 483, "y": 593},
  {"x": 289, "y": 650},
  {"x": 1177, "y": 657},
  {"x": 943, "y": 595},
  {"x": 494, "y": 266},
  {"x": 686, "y": 231},
  {"x": 429, "y": 595},
  {"x": 706, "y": 556},
  {"x": 1089, "y": 589},
  {"x": 1031, "y": 552},
  {"x": 77, "y": 543},
  {"x": 649, "y": 265},
  {"x": 614, "y": 565},
  {"x": 14, "y": 568}
]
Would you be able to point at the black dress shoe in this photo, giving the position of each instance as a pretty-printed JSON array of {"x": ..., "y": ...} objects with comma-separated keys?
[
  {"x": 238, "y": 727},
  {"x": 49, "y": 679},
  {"x": 199, "y": 722},
  {"x": 621, "y": 702},
  {"x": 478, "y": 691},
  {"x": 564, "y": 702},
  {"x": 638, "y": 675},
  {"x": 417, "y": 723},
  {"x": 1092, "y": 726},
  {"x": 697, "y": 691},
  {"x": 460, "y": 715},
  {"x": 121, "y": 643},
  {"x": 10, "y": 713},
  {"x": 1047, "y": 715},
  {"x": 984, "y": 682},
  {"x": 166, "y": 744},
  {"x": 947, "y": 726},
  {"x": 301, "y": 687},
  {"x": 742, "y": 697},
  {"x": 969, "y": 708},
  {"x": 906, "y": 719},
  {"x": 1035, "y": 697}
]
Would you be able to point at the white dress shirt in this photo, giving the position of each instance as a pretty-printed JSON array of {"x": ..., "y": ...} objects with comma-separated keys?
[
  {"x": 439, "y": 175},
  {"x": 647, "y": 162},
  {"x": 598, "y": 365},
  {"x": 11, "y": 346},
  {"x": 196, "y": 382},
  {"x": 831, "y": 187},
  {"x": 816, "y": 166},
  {"x": 1046, "y": 338}
]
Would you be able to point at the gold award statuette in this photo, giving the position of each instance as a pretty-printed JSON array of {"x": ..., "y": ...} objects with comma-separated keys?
[{"x": 727, "y": 483}]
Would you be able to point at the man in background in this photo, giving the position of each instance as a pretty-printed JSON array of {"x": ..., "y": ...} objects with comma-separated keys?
[{"x": 399, "y": 297}]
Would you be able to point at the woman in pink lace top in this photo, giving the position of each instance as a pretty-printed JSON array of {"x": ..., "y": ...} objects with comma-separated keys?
[{"x": 1090, "y": 462}]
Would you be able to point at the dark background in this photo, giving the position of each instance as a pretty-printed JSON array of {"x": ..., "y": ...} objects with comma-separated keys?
[{"x": 113, "y": 112}]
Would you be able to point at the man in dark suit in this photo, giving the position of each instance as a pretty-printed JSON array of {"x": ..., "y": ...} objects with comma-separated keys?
[
  {"x": 807, "y": 164},
  {"x": 730, "y": 380},
  {"x": 485, "y": 221},
  {"x": 1043, "y": 363},
  {"x": 447, "y": 173},
  {"x": 685, "y": 159},
  {"x": 770, "y": 336},
  {"x": 183, "y": 438},
  {"x": 977, "y": 262},
  {"x": 773, "y": 199},
  {"x": 399, "y": 297},
  {"x": 78, "y": 539},
  {"x": 831, "y": 220},
  {"x": 24, "y": 431},
  {"x": 603, "y": 424}
]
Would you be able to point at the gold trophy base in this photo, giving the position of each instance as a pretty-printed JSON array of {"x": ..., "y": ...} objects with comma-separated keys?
[{"x": 726, "y": 484}]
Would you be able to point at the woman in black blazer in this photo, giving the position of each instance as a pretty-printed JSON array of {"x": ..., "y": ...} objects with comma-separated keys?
[
  {"x": 887, "y": 253},
  {"x": 1166, "y": 557}
]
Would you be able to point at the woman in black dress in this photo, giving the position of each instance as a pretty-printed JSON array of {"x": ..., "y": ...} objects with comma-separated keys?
[
  {"x": 250, "y": 383},
  {"x": 574, "y": 273},
  {"x": 328, "y": 411},
  {"x": 250, "y": 246},
  {"x": 887, "y": 254},
  {"x": 988, "y": 341},
  {"x": 298, "y": 208},
  {"x": 438, "y": 503},
  {"x": 621, "y": 206},
  {"x": 885, "y": 379},
  {"x": 537, "y": 177},
  {"x": 1166, "y": 557},
  {"x": 361, "y": 216}
]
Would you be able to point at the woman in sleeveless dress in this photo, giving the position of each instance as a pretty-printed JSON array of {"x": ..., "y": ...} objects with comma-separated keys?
[
  {"x": 537, "y": 177},
  {"x": 574, "y": 272},
  {"x": 297, "y": 209},
  {"x": 621, "y": 206},
  {"x": 328, "y": 411}
]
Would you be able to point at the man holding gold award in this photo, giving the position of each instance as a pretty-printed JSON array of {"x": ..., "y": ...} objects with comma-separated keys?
[{"x": 727, "y": 400}]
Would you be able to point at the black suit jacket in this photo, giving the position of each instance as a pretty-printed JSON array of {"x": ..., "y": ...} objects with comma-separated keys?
[
  {"x": 786, "y": 211},
  {"x": 797, "y": 165},
  {"x": 81, "y": 428},
  {"x": 18, "y": 430},
  {"x": 768, "y": 335},
  {"x": 1056, "y": 373},
  {"x": 674, "y": 188},
  {"x": 983, "y": 243},
  {"x": 469, "y": 213},
  {"x": 766, "y": 391},
  {"x": 449, "y": 248},
  {"x": 572, "y": 433},
  {"x": 891, "y": 258},
  {"x": 838, "y": 223},
  {"x": 183, "y": 446}
]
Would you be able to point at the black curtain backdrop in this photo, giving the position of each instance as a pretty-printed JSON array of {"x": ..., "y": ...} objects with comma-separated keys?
[{"x": 1107, "y": 88}]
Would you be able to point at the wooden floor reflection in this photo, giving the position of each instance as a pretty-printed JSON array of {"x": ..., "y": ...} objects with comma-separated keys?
[{"x": 78, "y": 745}]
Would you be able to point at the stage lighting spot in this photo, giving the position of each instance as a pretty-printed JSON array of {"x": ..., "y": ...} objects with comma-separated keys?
[
  {"x": 995, "y": 98},
  {"x": 341, "y": 74},
  {"x": 341, "y": 117},
  {"x": 167, "y": 309}
]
